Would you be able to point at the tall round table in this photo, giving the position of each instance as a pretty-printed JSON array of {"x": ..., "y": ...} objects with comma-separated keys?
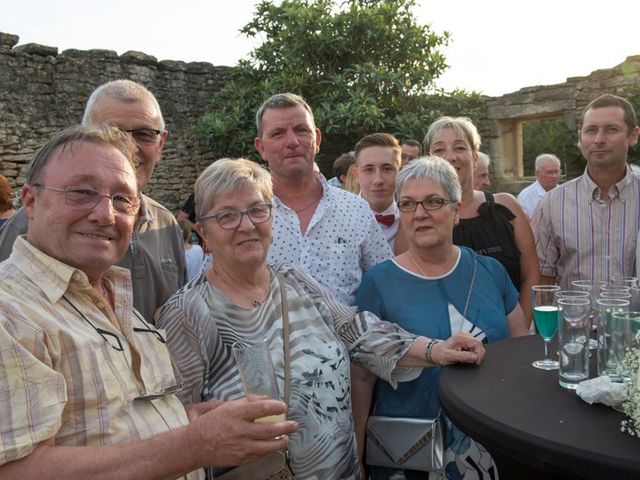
[{"x": 522, "y": 414}]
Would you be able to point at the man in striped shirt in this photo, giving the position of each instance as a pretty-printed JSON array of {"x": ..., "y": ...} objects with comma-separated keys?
[
  {"x": 587, "y": 228},
  {"x": 85, "y": 381}
]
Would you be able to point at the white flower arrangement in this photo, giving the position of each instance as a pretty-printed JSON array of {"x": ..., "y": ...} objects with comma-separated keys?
[{"x": 631, "y": 407}]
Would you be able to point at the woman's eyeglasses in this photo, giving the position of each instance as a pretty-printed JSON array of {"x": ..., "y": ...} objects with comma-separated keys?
[
  {"x": 430, "y": 203},
  {"x": 231, "y": 219}
]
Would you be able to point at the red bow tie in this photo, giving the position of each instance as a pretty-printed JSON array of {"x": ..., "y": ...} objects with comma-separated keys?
[{"x": 386, "y": 219}]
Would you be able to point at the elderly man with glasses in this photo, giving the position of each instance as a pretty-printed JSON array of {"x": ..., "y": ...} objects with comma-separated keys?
[
  {"x": 87, "y": 382},
  {"x": 547, "y": 173},
  {"x": 155, "y": 256}
]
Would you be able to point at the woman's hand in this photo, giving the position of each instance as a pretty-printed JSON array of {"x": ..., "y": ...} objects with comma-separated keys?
[{"x": 461, "y": 348}]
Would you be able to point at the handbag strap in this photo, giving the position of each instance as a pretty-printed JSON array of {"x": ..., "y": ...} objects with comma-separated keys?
[
  {"x": 473, "y": 279},
  {"x": 285, "y": 338}
]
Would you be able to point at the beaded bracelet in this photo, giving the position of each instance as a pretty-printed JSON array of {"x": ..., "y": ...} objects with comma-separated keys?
[{"x": 427, "y": 352}]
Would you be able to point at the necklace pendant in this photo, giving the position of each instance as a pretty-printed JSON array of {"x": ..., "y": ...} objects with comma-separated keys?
[{"x": 256, "y": 303}]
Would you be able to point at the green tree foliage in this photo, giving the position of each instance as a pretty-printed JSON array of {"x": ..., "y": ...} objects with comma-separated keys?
[
  {"x": 363, "y": 66},
  {"x": 551, "y": 136}
]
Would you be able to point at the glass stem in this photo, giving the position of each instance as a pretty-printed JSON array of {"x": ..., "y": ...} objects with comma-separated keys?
[{"x": 547, "y": 352}]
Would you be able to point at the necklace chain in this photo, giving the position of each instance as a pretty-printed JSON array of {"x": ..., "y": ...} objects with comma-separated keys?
[
  {"x": 416, "y": 264},
  {"x": 255, "y": 302}
]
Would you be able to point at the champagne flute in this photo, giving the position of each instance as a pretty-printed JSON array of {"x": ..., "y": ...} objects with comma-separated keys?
[
  {"x": 545, "y": 316},
  {"x": 257, "y": 374}
]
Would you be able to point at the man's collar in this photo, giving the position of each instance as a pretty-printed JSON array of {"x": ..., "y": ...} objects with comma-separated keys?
[
  {"x": 326, "y": 191},
  {"x": 145, "y": 214},
  {"x": 390, "y": 210},
  {"x": 52, "y": 276},
  {"x": 619, "y": 189},
  {"x": 539, "y": 188}
]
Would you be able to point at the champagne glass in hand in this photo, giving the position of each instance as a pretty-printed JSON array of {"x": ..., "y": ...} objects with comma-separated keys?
[
  {"x": 257, "y": 374},
  {"x": 545, "y": 315}
]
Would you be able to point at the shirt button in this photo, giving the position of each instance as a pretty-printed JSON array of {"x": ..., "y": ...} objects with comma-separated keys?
[{"x": 77, "y": 276}]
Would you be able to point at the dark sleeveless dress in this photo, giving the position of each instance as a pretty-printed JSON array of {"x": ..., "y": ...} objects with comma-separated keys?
[{"x": 492, "y": 234}]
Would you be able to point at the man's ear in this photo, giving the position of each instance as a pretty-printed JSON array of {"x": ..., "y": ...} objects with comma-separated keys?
[
  {"x": 163, "y": 138},
  {"x": 318, "y": 140},
  {"x": 28, "y": 194},
  {"x": 633, "y": 138},
  {"x": 259, "y": 146}
]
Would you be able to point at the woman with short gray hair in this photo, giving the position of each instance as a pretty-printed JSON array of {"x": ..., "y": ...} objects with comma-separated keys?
[{"x": 436, "y": 289}]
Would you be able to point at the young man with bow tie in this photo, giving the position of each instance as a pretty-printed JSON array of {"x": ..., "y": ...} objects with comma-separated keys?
[{"x": 377, "y": 164}]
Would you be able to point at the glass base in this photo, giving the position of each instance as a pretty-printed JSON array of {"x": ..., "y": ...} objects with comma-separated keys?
[
  {"x": 546, "y": 364},
  {"x": 568, "y": 385},
  {"x": 593, "y": 344}
]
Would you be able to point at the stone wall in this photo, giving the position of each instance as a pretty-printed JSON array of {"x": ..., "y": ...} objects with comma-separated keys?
[{"x": 43, "y": 91}]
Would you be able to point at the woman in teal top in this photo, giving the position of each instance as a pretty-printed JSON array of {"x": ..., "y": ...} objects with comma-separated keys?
[{"x": 436, "y": 289}]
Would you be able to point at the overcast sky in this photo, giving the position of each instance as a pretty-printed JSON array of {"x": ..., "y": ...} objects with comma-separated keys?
[{"x": 497, "y": 46}]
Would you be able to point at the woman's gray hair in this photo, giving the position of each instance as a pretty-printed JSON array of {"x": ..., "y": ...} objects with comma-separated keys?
[
  {"x": 462, "y": 125},
  {"x": 432, "y": 168},
  {"x": 230, "y": 175}
]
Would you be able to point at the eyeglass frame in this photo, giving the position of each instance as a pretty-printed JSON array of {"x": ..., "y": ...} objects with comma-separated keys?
[
  {"x": 242, "y": 214},
  {"x": 133, "y": 131},
  {"x": 441, "y": 201},
  {"x": 135, "y": 201},
  {"x": 106, "y": 335}
]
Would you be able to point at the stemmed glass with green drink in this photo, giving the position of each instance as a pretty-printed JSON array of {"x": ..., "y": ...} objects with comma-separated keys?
[{"x": 545, "y": 315}]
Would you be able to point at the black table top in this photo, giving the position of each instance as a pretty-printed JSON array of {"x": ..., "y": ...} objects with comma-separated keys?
[{"x": 523, "y": 413}]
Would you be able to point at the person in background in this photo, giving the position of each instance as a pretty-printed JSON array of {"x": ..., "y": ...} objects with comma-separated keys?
[
  {"x": 187, "y": 213},
  {"x": 493, "y": 225},
  {"x": 437, "y": 289},
  {"x": 330, "y": 233},
  {"x": 240, "y": 299},
  {"x": 341, "y": 168},
  {"x": 85, "y": 381},
  {"x": 376, "y": 167},
  {"x": 193, "y": 252},
  {"x": 481, "y": 178},
  {"x": 350, "y": 183},
  {"x": 7, "y": 209},
  {"x": 409, "y": 150},
  {"x": 587, "y": 228},
  {"x": 547, "y": 171},
  {"x": 155, "y": 256}
]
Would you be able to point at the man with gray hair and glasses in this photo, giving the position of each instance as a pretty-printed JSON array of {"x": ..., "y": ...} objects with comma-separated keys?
[
  {"x": 86, "y": 382},
  {"x": 155, "y": 256},
  {"x": 547, "y": 170}
]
